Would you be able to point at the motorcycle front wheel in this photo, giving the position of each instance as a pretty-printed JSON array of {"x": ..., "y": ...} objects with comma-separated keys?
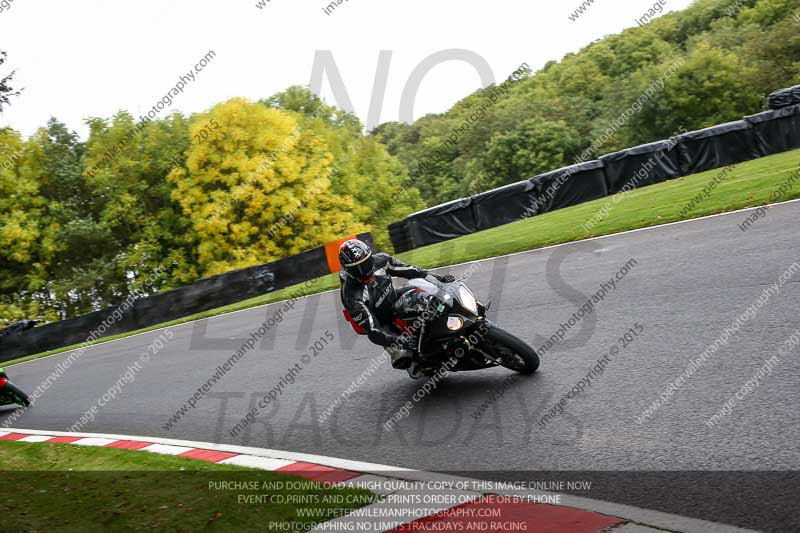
[
  {"x": 512, "y": 353},
  {"x": 14, "y": 395}
]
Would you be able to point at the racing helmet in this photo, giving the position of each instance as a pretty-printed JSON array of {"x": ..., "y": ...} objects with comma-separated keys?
[{"x": 356, "y": 260}]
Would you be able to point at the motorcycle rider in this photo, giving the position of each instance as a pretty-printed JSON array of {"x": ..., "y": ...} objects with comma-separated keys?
[{"x": 368, "y": 296}]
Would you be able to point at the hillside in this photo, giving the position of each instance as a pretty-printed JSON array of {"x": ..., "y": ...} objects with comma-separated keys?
[{"x": 711, "y": 63}]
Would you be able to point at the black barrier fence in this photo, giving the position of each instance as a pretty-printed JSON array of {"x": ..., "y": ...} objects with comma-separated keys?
[
  {"x": 442, "y": 222},
  {"x": 400, "y": 237},
  {"x": 776, "y": 131},
  {"x": 640, "y": 166},
  {"x": 508, "y": 204},
  {"x": 569, "y": 186},
  {"x": 784, "y": 98},
  {"x": 766, "y": 133},
  {"x": 717, "y": 146},
  {"x": 202, "y": 295}
]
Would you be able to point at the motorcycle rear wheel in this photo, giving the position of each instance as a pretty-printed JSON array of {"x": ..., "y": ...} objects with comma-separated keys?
[{"x": 513, "y": 353}]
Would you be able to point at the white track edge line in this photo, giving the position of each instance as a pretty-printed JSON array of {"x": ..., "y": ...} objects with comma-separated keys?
[{"x": 431, "y": 270}]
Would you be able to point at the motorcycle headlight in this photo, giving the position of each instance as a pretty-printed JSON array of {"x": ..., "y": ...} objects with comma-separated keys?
[
  {"x": 454, "y": 323},
  {"x": 468, "y": 299}
]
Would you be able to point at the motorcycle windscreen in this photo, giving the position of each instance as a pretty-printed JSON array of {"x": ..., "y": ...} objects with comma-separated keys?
[
  {"x": 427, "y": 286},
  {"x": 412, "y": 303}
]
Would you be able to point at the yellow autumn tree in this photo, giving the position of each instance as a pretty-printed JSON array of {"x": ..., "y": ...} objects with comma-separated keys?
[
  {"x": 26, "y": 242},
  {"x": 256, "y": 187}
]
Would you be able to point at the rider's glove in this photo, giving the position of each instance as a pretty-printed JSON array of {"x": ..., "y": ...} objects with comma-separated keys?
[{"x": 446, "y": 278}]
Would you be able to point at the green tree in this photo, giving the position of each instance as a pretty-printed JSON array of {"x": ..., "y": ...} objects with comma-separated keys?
[
  {"x": 132, "y": 209},
  {"x": 55, "y": 164},
  {"x": 24, "y": 247},
  {"x": 6, "y": 91},
  {"x": 361, "y": 169},
  {"x": 732, "y": 54},
  {"x": 537, "y": 146},
  {"x": 258, "y": 189}
]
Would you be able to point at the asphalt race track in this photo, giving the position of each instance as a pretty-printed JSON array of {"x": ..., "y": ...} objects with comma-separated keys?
[{"x": 690, "y": 282}]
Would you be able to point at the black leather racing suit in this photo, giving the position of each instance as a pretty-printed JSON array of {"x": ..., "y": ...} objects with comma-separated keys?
[{"x": 371, "y": 305}]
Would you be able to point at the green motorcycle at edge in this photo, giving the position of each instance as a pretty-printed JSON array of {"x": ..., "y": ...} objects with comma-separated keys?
[{"x": 10, "y": 393}]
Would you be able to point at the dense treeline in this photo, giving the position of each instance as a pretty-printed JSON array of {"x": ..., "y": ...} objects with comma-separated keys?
[
  {"x": 83, "y": 224},
  {"x": 705, "y": 65}
]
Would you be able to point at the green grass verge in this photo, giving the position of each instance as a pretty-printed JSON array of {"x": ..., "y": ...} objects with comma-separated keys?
[
  {"x": 58, "y": 487},
  {"x": 748, "y": 185}
]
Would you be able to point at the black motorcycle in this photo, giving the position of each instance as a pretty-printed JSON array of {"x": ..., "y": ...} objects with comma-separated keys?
[
  {"x": 10, "y": 393},
  {"x": 454, "y": 333}
]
